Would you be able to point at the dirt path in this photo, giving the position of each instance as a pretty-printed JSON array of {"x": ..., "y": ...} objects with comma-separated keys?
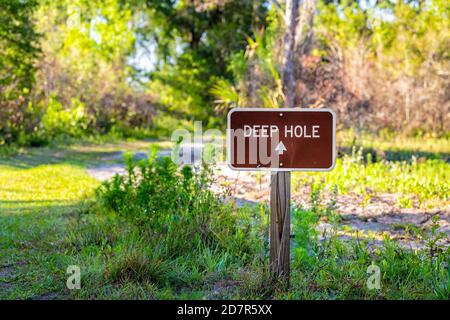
[{"x": 380, "y": 217}]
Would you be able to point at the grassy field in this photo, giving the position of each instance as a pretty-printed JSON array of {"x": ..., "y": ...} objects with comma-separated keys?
[
  {"x": 167, "y": 236},
  {"x": 415, "y": 169},
  {"x": 419, "y": 184}
]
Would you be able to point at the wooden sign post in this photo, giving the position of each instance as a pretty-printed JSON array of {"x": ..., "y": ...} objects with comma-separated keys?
[
  {"x": 281, "y": 140},
  {"x": 280, "y": 224},
  {"x": 296, "y": 43}
]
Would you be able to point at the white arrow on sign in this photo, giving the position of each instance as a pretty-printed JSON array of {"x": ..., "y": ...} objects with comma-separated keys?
[{"x": 280, "y": 148}]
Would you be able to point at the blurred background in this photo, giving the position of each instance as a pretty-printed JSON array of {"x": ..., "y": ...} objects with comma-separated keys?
[{"x": 142, "y": 68}]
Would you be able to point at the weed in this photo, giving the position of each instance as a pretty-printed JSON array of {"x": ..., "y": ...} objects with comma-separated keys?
[{"x": 426, "y": 181}]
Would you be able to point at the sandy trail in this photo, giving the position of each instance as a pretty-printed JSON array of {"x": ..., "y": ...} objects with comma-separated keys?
[{"x": 380, "y": 217}]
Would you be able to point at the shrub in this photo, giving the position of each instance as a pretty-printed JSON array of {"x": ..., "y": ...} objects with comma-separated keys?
[
  {"x": 177, "y": 206},
  {"x": 57, "y": 121},
  {"x": 19, "y": 49}
]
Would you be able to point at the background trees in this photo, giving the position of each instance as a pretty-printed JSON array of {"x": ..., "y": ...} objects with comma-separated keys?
[
  {"x": 18, "y": 49},
  {"x": 379, "y": 65},
  {"x": 74, "y": 68},
  {"x": 391, "y": 59},
  {"x": 195, "y": 44}
]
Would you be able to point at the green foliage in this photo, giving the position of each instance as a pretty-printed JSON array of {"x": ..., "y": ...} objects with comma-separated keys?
[
  {"x": 89, "y": 55},
  {"x": 398, "y": 32},
  {"x": 131, "y": 265},
  {"x": 18, "y": 51},
  {"x": 181, "y": 88},
  {"x": 392, "y": 55},
  {"x": 425, "y": 182},
  {"x": 332, "y": 267},
  {"x": 178, "y": 207},
  {"x": 305, "y": 236},
  {"x": 367, "y": 60},
  {"x": 18, "y": 44},
  {"x": 226, "y": 95},
  {"x": 195, "y": 41},
  {"x": 87, "y": 46},
  {"x": 165, "y": 124},
  {"x": 198, "y": 248},
  {"x": 255, "y": 71},
  {"x": 160, "y": 231},
  {"x": 57, "y": 121},
  {"x": 305, "y": 221},
  {"x": 83, "y": 77}
]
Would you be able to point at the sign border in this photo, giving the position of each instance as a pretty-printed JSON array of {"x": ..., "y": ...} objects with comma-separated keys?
[{"x": 333, "y": 114}]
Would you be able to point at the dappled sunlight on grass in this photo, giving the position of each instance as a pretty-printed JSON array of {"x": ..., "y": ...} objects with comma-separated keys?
[
  {"x": 43, "y": 185},
  {"x": 35, "y": 207},
  {"x": 45, "y": 177}
]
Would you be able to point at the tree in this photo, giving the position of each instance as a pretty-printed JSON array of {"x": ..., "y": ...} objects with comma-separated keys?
[
  {"x": 85, "y": 67},
  {"x": 195, "y": 41},
  {"x": 18, "y": 51}
]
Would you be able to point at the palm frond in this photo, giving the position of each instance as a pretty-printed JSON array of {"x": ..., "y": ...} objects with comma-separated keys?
[{"x": 226, "y": 95}]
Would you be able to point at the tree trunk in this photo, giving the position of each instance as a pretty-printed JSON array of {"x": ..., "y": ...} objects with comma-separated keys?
[
  {"x": 304, "y": 36},
  {"x": 288, "y": 68}
]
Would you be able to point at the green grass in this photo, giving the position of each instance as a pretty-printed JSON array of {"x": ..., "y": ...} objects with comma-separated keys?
[
  {"x": 35, "y": 207},
  {"x": 81, "y": 154},
  {"x": 423, "y": 184},
  {"x": 337, "y": 269},
  {"x": 393, "y": 146},
  {"x": 43, "y": 185},
  {"x": 49, "y": 221}
]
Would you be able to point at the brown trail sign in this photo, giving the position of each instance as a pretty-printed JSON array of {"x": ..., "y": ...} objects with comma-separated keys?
[{"x": 284, "y": 139}]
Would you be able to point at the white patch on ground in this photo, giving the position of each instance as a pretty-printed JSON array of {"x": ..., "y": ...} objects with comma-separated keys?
[
  {"x": 105, "y": 171},
  {"x": 379, "y": 217}
]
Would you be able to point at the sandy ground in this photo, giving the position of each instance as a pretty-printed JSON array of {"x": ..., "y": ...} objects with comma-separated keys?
[{"x": 380, "y": 217}]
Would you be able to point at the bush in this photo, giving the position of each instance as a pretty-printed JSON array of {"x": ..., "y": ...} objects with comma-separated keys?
[
  {"x": 57, "y": 121},
  {"x": 19, "y": 49},
  {"x": 177, "y": 206}
]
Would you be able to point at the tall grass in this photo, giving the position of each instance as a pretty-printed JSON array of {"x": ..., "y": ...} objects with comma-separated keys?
[
  {"x": 179, "y": 231},
  {"x": 328, "y": 266},
  {"x": 180, "y": 235}
]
